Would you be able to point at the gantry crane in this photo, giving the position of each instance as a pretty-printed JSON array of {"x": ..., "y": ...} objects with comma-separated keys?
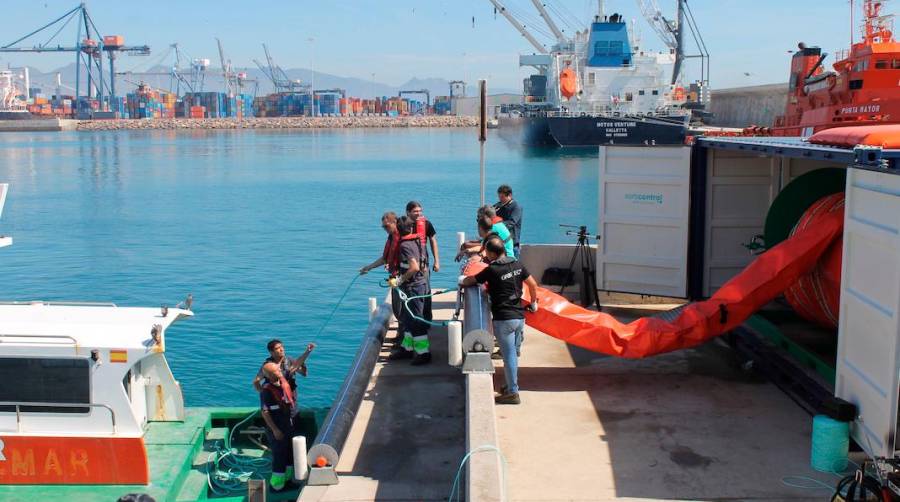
[
  {"x": 418, "y": 91},
  {"x": 278, "y": 77},
  {"x": 89, "y": 49}
]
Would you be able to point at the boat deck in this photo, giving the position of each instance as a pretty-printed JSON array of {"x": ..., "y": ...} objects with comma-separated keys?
[
  {"x": 686, "y": 425},
  {"x": 178, "y": 454}
]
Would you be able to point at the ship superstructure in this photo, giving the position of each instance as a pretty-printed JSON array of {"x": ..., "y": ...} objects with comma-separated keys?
[
  {"x": 860, "y": 89},
  {"x": 600, "y": 86}
]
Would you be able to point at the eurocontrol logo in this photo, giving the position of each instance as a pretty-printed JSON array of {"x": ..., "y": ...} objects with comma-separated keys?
[{"x": 644, "y": 198}]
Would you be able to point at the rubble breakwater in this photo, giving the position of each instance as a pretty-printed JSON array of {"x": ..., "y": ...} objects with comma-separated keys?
[{"x": 279, "y": 123}]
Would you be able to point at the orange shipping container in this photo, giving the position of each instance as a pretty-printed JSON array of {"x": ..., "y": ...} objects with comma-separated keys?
[{"x": 114, "y": 40}]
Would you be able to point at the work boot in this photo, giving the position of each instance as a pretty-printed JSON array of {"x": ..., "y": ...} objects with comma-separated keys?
[
  {"x": 397, "y": 354},
  {"x": 421, "y": 359},
  {"x": 508, "y": 399},
  {"x": 496, "y": 355}
]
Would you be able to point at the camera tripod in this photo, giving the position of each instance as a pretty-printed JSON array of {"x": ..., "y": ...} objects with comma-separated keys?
[{"x": 589, "y": 293}]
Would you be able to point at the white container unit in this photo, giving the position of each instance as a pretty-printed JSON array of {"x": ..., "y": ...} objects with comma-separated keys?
[
  {"x": 644, "y": 213},
  {"x": 868, "y": 362}
]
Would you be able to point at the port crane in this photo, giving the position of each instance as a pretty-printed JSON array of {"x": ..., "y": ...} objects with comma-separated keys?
[
  {"x": 426, "y": 92},
  {"x": 89, "y": 48},
  {"x": 671, "y": 32},
  {"x": 278, "y": 77}
]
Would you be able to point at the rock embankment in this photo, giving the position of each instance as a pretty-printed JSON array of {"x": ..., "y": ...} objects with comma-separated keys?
[{"x": 279, "y": 123}]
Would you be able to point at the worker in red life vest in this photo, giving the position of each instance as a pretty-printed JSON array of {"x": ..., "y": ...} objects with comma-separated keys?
[
  {"x": 428, "y": 237},
  {"x": 277, "y": 402},
  {"x": 412, "y": 282},
  {"x": 390, "y": 259}
]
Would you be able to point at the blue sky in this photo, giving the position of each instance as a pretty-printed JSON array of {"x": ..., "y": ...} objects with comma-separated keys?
[{"x": 399, "y": 39}]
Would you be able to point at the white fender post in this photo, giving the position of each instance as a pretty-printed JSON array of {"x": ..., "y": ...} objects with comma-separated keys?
[
  {"x": 460, "y": 238},
  {"x": 301, "y": 468},
  {"x": 373, "y": 306},
  {"x": 454, "y": 343}
]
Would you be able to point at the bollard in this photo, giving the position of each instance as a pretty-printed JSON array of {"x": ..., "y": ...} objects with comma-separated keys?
[
  {"x": 301, "y": 468},
  {"x": 454, "y": 343},
  {"x": 373, "y": 306}
]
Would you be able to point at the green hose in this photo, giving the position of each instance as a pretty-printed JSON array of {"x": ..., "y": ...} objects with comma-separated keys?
[{"x": 228, "y": 471}]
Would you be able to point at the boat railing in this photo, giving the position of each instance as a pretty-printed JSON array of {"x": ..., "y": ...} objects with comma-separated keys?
[
  {"x": 52, "y": 339},
  {"x": 60, "y": 303},
  {"x": 19, "y": 405},
  {"x": 841, "y": 54}
]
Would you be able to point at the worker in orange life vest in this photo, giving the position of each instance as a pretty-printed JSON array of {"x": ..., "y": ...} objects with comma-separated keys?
[
  {"x": 427, "y": 237},
  {"x": 390, "y": 259}
]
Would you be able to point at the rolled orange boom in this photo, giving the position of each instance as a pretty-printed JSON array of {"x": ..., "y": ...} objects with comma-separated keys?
[{"x": 760, "y": 283}]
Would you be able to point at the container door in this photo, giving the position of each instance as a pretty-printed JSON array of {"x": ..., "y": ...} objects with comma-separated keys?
[
  {"x": 868, "y": 360},
  {"x": 644, "y": 209},
  {"x": 740, "y": 187}
]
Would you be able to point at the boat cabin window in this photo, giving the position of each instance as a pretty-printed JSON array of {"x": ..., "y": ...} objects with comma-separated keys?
[
  {"x": 641, "y": 92},
  {"x": 45, "y": 380},
  {"x": 881, "y": 64},
  {"x": 655, "y": 92},
  {"x": 590, "y": 79},
  {"x": 855, "y": 84},
  {"x": 629, "y": 96},
  {"x": 895, "y": 64},
  {"x": 861, "y": 65}
]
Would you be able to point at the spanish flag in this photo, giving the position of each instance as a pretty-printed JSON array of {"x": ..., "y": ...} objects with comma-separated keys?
[{"x": 118, "y": 356}]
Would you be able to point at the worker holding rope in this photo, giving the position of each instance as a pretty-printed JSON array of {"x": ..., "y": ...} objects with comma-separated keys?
[
  {"x": 413, "y": 284},
  {"x": 390, "y": 259}
]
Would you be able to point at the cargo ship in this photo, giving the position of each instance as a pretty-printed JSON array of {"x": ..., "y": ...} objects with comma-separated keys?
[
  {"x": 601, "y": 87},
  {"x": 11, "y": 106},
  {"x": 860, "y": 89}
]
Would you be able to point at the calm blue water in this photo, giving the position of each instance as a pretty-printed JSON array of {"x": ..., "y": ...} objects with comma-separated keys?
[{"x": 265, "y": 228}]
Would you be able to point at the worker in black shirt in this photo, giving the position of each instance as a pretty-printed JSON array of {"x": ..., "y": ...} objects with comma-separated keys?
[
  {"x": 277, "y": 402},
  {"x": 511, "y": 212},
  {"x": 504, "y": 277},
  {"x": 289, "y": 366},
  {"x": 413, "y": 284}
]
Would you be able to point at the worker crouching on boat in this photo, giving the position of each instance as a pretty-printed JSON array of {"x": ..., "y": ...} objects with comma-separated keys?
[
  {"x": 504, "y": 277},
  {"x": 278, "y": 401},
  {"x": 413, "y": 284}
]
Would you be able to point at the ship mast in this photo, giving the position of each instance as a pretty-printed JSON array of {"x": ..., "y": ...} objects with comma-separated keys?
[
  {"x": 877, "y": 27},
  {"x": 679, "y": 41}
]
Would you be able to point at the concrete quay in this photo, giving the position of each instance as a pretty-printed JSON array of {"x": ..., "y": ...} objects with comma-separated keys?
[
  {"x": 38, "y": 125},
  {"x": 690, "y": 425}
]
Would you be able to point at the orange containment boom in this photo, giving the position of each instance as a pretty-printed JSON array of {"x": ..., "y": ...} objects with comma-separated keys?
[
  {"x": 761, "y": 282},
  {"x": 883, "y": 135}
]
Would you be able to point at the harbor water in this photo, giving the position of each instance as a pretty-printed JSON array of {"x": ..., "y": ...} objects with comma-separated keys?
[{"x": 265, "y": 228}]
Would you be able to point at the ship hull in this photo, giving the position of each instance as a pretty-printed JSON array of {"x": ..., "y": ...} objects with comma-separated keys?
[
  {"x": 603, "y": 130},
  {"x": 591, "y": 131}
]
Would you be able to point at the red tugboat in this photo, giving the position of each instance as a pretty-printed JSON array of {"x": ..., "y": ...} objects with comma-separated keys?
[{"x": 864, "y": 87}]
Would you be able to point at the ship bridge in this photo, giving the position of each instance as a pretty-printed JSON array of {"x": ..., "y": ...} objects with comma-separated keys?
[{"x": 608, "y": 45}]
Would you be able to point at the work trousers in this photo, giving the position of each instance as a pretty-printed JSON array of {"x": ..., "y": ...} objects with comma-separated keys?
[
  {"x": 397, "y": 307},
  {"x": 415, "y": 331},
  {"x": 283, "y": 450}
]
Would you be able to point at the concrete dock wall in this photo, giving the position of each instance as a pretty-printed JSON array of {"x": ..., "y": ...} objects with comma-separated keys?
[
  {"x": 37, "y": 125},
  {"x": 745, "y": 106}
]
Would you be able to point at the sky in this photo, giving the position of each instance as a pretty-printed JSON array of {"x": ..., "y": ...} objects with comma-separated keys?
[{"x": 395, "y": 40}]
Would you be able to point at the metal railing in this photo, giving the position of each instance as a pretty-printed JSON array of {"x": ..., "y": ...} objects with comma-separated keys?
[
  {"x": 71, "y": 339},
  {"x": 60, "y": 303},
  {"x": 19, "y": 405}
]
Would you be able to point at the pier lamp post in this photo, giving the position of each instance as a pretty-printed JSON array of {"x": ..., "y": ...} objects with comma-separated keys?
[{"x": 312, "y": 74}]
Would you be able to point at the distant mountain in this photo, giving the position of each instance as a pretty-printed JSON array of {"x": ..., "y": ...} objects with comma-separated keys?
[{"x": 158, "y": 76}]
